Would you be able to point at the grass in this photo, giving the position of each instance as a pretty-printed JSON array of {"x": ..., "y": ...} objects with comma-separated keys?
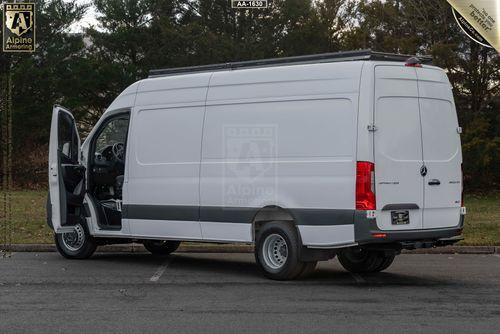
[
  {"x": 482, "y": 221},
  {"x": 28, "y": 223}
]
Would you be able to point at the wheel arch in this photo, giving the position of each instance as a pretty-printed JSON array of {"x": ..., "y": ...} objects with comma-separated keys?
[{"x": 273, "y": 213}]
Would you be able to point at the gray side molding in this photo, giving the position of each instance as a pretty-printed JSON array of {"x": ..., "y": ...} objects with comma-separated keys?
[{"x": 223, "y": 214}]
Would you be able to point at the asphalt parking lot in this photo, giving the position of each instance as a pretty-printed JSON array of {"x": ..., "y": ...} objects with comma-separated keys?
[{"x": 215, "y": 293}]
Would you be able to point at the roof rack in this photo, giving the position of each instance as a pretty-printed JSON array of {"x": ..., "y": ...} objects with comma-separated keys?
[{"x": 308, "y": 59}]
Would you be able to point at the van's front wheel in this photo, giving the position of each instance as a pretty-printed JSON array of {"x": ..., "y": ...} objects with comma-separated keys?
[
  {"x": 359, "y": 260},
  {"x": 277, "y": 251},
  {"x": 78, "y": 244}
]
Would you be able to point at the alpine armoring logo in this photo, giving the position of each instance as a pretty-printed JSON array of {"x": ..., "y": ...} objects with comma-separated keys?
[{"x": 18, "y": 27}]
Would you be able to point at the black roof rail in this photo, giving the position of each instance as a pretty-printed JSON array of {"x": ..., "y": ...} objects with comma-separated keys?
[{"x": 307, "y": 59}]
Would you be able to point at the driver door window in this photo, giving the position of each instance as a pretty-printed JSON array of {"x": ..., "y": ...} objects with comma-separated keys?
[
  {"x": 68, "y": 140},
  {"x": 108, "y": 166},
  {"x": 113, "y": 133}
]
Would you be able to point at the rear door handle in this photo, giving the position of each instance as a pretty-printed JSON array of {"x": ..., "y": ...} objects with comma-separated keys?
[{"x": 434, "y": 182}]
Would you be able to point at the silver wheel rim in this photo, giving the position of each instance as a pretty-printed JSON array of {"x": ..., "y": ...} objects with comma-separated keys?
[
  {"x": 275, "y": 251},
  {"x": 74, "y": 240}
]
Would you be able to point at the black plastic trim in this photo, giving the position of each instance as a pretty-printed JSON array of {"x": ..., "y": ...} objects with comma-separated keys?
[
  {"x": 400, "y": 206},
  {"x": 160, "y": 212},
  {"x": 364, "y": 228},
  {"x": 243, "y": 215}
]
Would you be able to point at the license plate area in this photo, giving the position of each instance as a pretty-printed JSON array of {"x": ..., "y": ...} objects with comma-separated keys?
[{"x": 400, "y": 217}]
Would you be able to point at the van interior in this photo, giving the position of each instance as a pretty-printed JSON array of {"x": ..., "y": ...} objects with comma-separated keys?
[{"x": 107, "y": 169}]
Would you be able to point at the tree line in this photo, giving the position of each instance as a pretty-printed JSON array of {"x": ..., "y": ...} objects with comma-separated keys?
[{"x": 86, "y": 71}]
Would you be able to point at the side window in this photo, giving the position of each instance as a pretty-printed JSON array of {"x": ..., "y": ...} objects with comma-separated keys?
[
  {"x": 68, "y": 140},
  {"x": 115, "y": 131}
]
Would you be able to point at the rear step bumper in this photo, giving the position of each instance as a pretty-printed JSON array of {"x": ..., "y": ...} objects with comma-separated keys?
[{"x": 367, "y": 232}]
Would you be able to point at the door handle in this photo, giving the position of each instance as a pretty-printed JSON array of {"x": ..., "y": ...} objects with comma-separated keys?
[{"x": 434, "y": 182}]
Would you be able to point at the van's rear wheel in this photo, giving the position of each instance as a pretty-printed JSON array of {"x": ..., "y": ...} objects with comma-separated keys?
[
  {"x": 78, "y": 244},
  {"x": 388, "y": 259},
  {"x": 359, "y": 260},
  {"x": 309, "y": 268},
  {"x": 277, "y": 251},
  {"x": 161, "y": 247}
]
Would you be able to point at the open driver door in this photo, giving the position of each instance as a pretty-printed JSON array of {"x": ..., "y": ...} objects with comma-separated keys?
[{"x": 66, "y": 174}]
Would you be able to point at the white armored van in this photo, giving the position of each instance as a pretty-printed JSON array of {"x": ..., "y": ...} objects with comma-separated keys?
[{"x": 354, "y": 154}]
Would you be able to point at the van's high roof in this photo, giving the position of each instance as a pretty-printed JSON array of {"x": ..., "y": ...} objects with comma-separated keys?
[{"x": 307, "y": 59}]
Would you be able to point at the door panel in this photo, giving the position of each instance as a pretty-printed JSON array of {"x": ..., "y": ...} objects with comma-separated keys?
[
  {"x": 442, "y": 156},
  {"x": 398, "y": 145},
  {"x": 66, "y": 175},
  {"x": 417, "y": 125},
  {"x": 164, "y": 170}
]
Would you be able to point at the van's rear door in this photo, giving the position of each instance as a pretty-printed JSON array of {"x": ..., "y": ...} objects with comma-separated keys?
[
  {"x": 441, "y": 149},
  {"x": 398, "y": 148}
]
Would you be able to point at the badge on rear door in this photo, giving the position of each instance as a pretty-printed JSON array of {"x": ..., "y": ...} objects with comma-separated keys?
[{"x": 400, "y": 217}]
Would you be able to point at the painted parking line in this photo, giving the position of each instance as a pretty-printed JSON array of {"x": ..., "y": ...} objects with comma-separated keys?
[
  {"x": 497, "y": 255},
  {"x": 161, "y": 269},
  {"x": 358, "y": 278}
]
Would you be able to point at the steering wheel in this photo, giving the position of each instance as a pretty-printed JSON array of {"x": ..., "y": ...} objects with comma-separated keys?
[{"x": 118, "y": 150}]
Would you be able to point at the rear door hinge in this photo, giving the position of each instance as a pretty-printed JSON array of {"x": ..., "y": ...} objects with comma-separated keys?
[
  {"x": 371, "y": 127},
  {"x": 459, "y": 129}
]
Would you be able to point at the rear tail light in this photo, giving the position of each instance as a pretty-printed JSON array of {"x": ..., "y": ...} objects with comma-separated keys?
[{"x": 365, "y": 186}]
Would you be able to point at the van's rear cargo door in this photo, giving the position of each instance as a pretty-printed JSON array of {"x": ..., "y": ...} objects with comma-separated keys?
[
  {"x": 441, "y": 150},
  {"x": 398, "y": 148}
]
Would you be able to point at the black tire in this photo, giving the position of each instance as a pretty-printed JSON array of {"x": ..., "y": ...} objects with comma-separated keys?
[
  {"x": 76, "y": 245},
  {"x": 388, "y": 259},
  {"x": 161, "y": 247},
  {"x": 309, "y": 268},
  {"x": 290, "y": 266},
  {"x": 359, "y": 260}
]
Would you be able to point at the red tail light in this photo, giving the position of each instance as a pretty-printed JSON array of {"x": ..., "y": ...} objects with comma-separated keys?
[{"x": 365, "y": 186}]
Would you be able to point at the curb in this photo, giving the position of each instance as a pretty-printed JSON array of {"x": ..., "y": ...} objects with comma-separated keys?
[
  {"x": 455, "y": 250},
  {"x": 241, "y": 248}
]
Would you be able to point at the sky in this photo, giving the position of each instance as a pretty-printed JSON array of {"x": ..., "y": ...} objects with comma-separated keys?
[{"x": 88, "y": 19}]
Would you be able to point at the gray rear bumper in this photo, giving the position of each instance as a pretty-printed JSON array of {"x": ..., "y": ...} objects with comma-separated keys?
[{"x": 365, "y": 229}]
